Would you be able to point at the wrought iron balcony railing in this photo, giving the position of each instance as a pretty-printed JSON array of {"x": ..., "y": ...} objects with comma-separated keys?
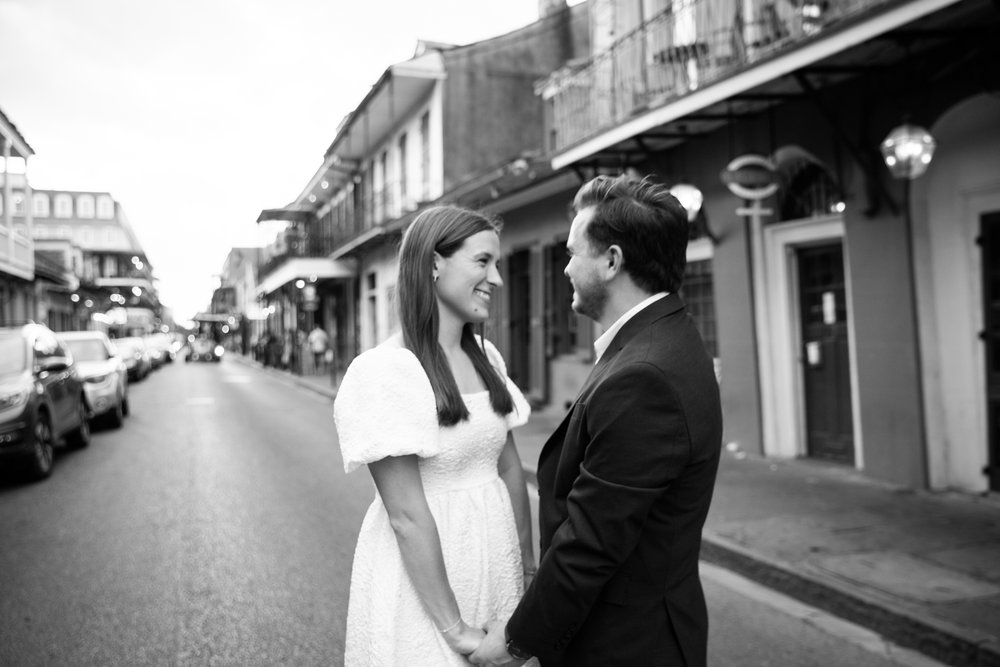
[{"x": 686, "y": 47}]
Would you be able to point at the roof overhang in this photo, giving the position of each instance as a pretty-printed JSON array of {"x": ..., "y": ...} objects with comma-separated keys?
[
  {"x": 286, "y": 214},
  {"x": 307, "y": 268},
  {"x": 10, "y": 135},
  {"x": 398, "y": 90},
  {"x": 748, "y": 91}
]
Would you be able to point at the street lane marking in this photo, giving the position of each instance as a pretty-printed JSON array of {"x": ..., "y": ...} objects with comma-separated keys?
[{"x": 200, "y": 400}]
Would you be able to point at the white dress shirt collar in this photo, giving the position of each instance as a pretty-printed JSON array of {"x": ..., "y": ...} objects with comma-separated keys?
[{"x": 602, "y": 343}]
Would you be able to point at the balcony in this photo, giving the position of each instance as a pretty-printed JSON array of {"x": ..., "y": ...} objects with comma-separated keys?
[
  {"x": 17, "y": 254},
  {"x": 369, "y": 216},
  {"x": 681, "y": 51}
]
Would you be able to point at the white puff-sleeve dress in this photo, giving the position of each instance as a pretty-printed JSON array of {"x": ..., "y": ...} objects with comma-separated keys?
[{"x": 385, "y": 407}]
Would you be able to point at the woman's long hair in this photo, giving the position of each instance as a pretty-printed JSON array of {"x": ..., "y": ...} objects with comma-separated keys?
[{"x": 442, "y": 229}]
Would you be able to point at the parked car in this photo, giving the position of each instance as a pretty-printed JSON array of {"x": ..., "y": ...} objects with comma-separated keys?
[
  {"x": 105, "y": 378},
  {"x": 160, "y": 351},
  {"x": 137, "y": 362},
  {"x": 203, "y": 348},
  {"x": 42, "y": 398}
]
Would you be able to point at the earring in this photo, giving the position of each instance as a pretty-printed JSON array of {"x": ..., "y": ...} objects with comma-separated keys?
[{"x": 435, "y": 277}]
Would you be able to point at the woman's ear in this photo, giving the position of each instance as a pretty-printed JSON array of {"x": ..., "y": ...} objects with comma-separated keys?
[{"x": 435, "y": 270}]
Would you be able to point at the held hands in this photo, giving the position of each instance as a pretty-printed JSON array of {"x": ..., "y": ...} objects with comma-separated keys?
[
  {"x": 493, "y": 649},
  {"x": 461, "y": 638}
]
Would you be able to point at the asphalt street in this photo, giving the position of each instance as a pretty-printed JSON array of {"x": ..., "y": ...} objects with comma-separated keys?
[{"x": 217, "y": 527}]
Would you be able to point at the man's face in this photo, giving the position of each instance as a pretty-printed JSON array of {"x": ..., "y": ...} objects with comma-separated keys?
[{"x": 585, "y": 269}]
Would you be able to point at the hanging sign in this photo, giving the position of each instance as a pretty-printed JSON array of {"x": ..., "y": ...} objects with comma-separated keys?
[{"x": 752, "y": 177}]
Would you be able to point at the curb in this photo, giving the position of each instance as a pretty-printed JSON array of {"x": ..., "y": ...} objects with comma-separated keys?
[{"x": 932, "y": 637}]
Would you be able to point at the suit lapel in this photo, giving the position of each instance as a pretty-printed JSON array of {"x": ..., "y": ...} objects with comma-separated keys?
[
  {"x": 668, "y": 305},
  {"x": 665, "y": 306}
]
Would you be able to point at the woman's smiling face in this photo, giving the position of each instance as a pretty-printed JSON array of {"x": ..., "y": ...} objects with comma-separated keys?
[{"x": 466, "y": 280}]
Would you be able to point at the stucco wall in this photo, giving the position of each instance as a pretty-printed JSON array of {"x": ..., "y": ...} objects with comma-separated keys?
[{"x": 491, "y": 113}]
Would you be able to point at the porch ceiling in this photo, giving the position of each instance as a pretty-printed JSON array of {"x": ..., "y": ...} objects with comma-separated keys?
[
  {"x": 305, "y": 268},
  {"x": 852, "y": 51}
]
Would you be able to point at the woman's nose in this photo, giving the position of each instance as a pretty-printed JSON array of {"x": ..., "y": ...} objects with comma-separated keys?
[{"x": 493, "y": 276}]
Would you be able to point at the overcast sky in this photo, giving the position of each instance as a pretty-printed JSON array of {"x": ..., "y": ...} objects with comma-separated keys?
[{"x": 197, "y": 114}]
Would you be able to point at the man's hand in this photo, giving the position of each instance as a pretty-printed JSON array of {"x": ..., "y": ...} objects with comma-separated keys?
[{"x": 493, "y": 649}]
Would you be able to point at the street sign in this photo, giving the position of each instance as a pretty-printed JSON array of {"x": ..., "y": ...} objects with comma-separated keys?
[{"x": 752, "y": 177}]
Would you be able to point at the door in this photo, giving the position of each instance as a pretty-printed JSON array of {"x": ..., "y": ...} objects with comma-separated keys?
[
  {"x": 990, "y": 247},
  {"x": 519, "y": 289},
  {"x": 825, "y": 357}
]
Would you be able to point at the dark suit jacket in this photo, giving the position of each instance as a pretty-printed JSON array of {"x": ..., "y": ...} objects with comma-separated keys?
[{"x": 625, "y": 483}]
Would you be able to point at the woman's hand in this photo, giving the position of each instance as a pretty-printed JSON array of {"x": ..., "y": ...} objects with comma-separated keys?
[{"x": 462, "y": 639}]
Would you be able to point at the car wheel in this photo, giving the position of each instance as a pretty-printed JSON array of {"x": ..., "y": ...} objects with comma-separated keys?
[
  {"x": 40, "y": 462},
  {"x": 80, "y": 437},
  {"x": 116, "y": 417}
]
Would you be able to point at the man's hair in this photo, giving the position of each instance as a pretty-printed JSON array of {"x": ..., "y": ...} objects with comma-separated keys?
[
  {"x": 645, "y": 221},
  {"x": 442, "y": 229}
]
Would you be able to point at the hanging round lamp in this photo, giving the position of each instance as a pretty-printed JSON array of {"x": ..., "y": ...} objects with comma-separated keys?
[{"x": 908, "y": 150}]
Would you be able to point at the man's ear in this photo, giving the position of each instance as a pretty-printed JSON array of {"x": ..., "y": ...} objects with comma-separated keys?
[{"x": 615, "y": 259}]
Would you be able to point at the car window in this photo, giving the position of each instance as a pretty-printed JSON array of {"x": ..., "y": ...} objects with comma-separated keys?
[
  {"x": 12, "y": 354},
  {"x": 87, "y": 349}
]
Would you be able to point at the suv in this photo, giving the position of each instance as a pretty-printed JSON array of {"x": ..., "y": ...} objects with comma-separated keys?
[
  {"x": 105, "y": 379},
  {"x": 42, "y": 398}
]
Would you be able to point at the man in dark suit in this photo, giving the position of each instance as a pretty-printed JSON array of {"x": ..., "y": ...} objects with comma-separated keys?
[{"x": 626, "y": 480}]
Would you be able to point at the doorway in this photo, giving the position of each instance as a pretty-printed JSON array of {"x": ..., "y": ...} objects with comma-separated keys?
[
  {"x": 990, "y": 248},
  {"x": 519, "y": 291},
  {"x": 826, "y": 368}
]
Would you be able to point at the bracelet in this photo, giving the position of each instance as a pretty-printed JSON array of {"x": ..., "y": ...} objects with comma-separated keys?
[{"x": 452, "y": 626}]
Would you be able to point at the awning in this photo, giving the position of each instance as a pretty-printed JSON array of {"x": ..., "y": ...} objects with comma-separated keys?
[
  {"x": 289, "y": 215},
  {"x": 305, "y": 268}
]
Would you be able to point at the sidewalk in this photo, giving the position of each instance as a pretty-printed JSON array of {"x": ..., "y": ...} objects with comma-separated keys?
[{"x": 921, "y": 569}]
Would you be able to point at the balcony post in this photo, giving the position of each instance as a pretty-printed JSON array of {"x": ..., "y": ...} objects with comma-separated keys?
[{"x": 8, "y": 205}]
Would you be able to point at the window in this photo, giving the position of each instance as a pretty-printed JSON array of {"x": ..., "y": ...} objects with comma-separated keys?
[
  {"x": 88, "y": 236},
  {"x": 40, "y": 205},
  {"x": 85, "y": 206},
  {"x": 18, "y": 203},
  {"x": 382, "y": 187},
  {"x": 402, "y": 171},
  {"x": 425, "y": 156},
  {"x": 105, "y": 207},
  {"x": 63, "y": 206},
  {"x": 110, "y": 238},
  {"x": 700, "y": 300},
  {"x": 41, "y": 232},
  {"x": 64, "y": 232}
]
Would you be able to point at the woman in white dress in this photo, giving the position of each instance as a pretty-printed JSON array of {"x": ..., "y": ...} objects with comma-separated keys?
[{"x": 446, "y": 545}]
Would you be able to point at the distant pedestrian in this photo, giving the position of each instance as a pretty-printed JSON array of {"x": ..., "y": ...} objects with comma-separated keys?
[
  {"x": 319, "y": 342},
  {"x": 626, "y": 480}
]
